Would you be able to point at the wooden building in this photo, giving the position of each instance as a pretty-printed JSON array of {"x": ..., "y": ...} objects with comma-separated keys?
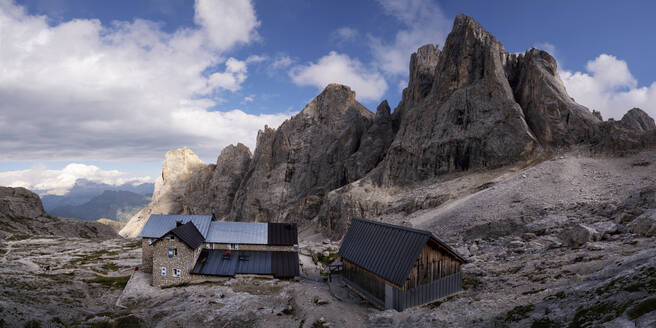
[{"x": 395, "y": 267}]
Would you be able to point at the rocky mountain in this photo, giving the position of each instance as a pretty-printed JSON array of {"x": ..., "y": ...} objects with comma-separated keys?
[
  {"x": 22, "y": 216},
  {"x": 116, "y": 205},
  {"x": 469, "y": 107}
]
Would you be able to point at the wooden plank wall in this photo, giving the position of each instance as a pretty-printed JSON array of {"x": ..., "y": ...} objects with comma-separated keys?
[
  {"x": 433, "y": 264},
  {"x": 365, "y": 280}
]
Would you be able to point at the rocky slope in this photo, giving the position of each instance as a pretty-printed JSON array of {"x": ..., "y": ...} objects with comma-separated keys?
[
  {"x": 22, "y": 216},
  {"x": 470, "y": 107}
]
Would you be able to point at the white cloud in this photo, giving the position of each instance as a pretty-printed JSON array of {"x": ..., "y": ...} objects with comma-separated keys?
[
  {"x": 425, "y": 23},
  {"x": 282, "y": 62},
  {"x": 248, "y": 99},
  {"x": 232, "y": 78},
  {"x": 58, "y": 182},
  {"x": 339, "y": 68},
  {"x": 609, "y": 87},
  {"x": 227, "y": 22},
  {"x": 345, "y": 34},
  {"x": 83, "y": 90}
]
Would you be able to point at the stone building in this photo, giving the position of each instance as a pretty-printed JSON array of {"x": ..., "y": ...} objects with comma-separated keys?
[
  {"x": 181, "y": 248},
  {"x": 396, "y": 267}
]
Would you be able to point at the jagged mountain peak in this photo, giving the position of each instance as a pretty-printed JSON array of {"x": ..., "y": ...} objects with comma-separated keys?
[
  {"x": 638, "y": 120},
  {"x": 332, "y": 103}
]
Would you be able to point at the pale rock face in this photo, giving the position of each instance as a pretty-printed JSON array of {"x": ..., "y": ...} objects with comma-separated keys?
[
  {"x": 178, "y": 167},
  {"x": 638, "y": 120},
  {"x": 20, "y": 203}
]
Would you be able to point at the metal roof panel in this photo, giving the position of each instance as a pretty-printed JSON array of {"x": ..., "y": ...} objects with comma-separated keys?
[
  {"x": 160, "y": 224},
  {"x": 238, "y": 233}
]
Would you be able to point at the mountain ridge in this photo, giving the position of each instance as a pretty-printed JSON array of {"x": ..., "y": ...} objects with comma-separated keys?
[{"x": 470, "y": 106}]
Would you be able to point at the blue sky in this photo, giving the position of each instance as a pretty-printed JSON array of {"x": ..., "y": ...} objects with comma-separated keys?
[{"x": 117, "y": 85}]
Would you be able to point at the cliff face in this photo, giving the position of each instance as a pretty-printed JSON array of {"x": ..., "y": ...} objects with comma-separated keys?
[
  {"x": 470, "y": 106},
  {"x": 178, "y": 168},
  {"x": 310, "y": 154}
]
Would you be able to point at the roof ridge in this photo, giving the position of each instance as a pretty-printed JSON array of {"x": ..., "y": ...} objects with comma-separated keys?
[{"x": 394, "y": 226}]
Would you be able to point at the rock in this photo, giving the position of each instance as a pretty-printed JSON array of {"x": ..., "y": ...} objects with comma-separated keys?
[
  {"x": 20, "y": 203},
  {"x": 325, "y": 253},
  {"x": 178, "y": 168},
  {"x": 638, "y": 120},
  {"x": 294, "y": 166},
  {"x": 22, "y": 214},
  {"x": 581, "y": 234},
  {"x": 624, "y": 217},
  {"x": 115, "y": 225},
  {"x": 594, "y": 246},
  {"x": 645, "y": 224},
  {"x": 605, "y": 228},
  {"x": 214, "y": 186},
  {"x": 468, "y": 120},
  {"x": 516, "y": 244},
  {"x": 547, "y": 224},
  {"x": 554, "y": 118}
]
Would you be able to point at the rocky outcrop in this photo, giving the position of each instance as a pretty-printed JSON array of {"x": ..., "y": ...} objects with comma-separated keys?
[
  {"x": 178, "y": 168},
  {"x": 294, "y": 166},
  {"x": 638, "y": 120},
  {"x": 645, "y": 224},
  {"x": 553, "y": 116},
  {"x": 214, "y": 186},
  {"x": 468, "y": 120},
  {"x": 22, "y": 216}
]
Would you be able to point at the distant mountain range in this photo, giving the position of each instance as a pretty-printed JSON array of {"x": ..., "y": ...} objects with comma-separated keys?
[{"x": 90, "y": 200}]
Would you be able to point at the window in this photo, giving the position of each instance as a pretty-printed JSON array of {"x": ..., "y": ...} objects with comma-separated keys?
[
  {"x": 208, "y": 246},
  {"x": 163, "y": 271},
  {"x": 234, "y": 246},
  {"x": 176, "y": 273},
  {"x": 173, "y": 252}
]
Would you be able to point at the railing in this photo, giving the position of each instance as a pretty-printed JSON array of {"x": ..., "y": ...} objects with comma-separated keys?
[{"x": 403, "y": 299}]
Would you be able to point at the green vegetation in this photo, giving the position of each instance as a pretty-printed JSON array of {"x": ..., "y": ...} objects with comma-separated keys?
[
  {"x": 110, "y": 266},
  {"x": 642, "y": 308},
  {"x": 101, "y": 324},
  {"x": 519, "y": 313},
  {"x": 129, "y": 321},
  {"x": 110, "y": 282},
  {"x": 325, "y": 260}
]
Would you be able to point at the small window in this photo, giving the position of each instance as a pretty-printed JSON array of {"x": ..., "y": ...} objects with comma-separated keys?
[
  {"x": 176, "y": 272},
  {"x": 163, "y": 271},
  {"x": 173, "y": 252},
  {"x": 208, "y": 246},
  {"x": 234, "y": 246}
]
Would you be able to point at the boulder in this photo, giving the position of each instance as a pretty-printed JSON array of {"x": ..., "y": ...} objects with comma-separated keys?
[
  {"x": 645, "y": 224},
  {"x": 581, "y": 234},
  {"x": 638, "y": 120}
]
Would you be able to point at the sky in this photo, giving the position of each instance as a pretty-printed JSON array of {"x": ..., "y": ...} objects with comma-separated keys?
[{"x": 102, "y": 90}]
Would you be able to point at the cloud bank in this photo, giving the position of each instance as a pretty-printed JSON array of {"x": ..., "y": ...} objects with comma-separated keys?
[
  {"x": 123, "y": 91},
  {"x": 609, "y": 87},
  {"x": 58, "y": 182}
]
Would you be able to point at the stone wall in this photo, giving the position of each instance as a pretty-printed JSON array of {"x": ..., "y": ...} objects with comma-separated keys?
[
  {"x": 146, "y": 255},
  {"x": 184, "y": 260}
]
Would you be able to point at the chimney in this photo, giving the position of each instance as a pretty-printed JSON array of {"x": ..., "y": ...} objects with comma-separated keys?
[
  {"x": 178, "y": 223},
  {"x": 213, "y": 216}
]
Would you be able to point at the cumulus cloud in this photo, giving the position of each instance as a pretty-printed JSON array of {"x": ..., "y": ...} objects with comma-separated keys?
[
  {"x": 127, "y": 90},
  {"x": 609, "y": 87},
  {"x": 282, "y": 62},
  {"x": 58, "y": 182},
  {"x": 339, "y": 68},
  {"x": 424, "y": 23},
  {"x": 227, "y": 22}
]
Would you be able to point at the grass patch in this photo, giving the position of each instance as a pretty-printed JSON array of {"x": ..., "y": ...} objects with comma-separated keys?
[
  {"x": 111, "y": 266},
  {"x": 33, "y": 324},
  {"x": 325, "y": 260},
  {"x": 519, "y": 313},
  {"x": 110, "y": 282},
  {"x": 642, "y": 308},
  {"x": 93, "y": 257}
]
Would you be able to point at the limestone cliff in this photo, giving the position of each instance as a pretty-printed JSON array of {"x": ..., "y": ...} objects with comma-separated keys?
[{"x": 178, "y": 167}]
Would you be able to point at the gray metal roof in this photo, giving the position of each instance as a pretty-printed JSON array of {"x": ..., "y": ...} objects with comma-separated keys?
[
  {"x": 160, "y": 224},
  {"x": 389, "y": 251},
  {"x": 238, "y": 233},
  {"x": 214, "y": 262}
]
